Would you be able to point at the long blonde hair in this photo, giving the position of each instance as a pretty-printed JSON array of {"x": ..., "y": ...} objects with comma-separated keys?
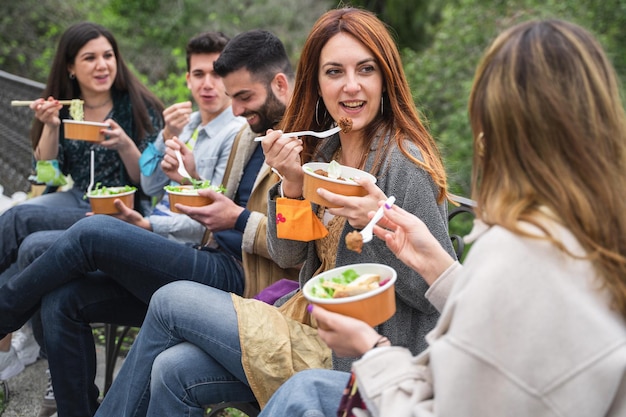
[{"x": 550, "y": 131}]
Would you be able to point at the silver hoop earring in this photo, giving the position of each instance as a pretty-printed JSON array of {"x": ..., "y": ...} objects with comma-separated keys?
[
  {"x": 382, "y": 105},
  {"x": 72, "y": 76}
]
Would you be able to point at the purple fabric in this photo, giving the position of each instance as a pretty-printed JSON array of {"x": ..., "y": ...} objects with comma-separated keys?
[{"x": 272, "y": 293}]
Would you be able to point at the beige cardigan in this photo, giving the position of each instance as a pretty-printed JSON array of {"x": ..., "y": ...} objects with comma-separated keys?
[
  {"x": 259, "y": 269},
  {"x": 526, "y": 331}
]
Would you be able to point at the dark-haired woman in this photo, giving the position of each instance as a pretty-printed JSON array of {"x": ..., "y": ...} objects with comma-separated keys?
[{"x": 87, "y": 66}]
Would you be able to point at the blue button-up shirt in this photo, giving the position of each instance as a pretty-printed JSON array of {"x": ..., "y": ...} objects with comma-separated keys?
[{"x": 211, "y": 152}]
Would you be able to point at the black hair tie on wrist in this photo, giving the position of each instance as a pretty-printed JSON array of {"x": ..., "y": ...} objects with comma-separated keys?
[{"x": 382, "y": 339}]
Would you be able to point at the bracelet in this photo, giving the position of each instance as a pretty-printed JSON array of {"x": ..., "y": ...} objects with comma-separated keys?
[
  {"x": 282, "y": 194},
  {"x": 383, "y": 339}
]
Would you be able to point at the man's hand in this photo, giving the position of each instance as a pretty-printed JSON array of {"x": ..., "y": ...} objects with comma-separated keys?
[
  {"x": 176, "y": 118},
  {"x": 131, "y": 216},
  {"x": 169, "y": 164},
  {"x": 222, "y": 214}
]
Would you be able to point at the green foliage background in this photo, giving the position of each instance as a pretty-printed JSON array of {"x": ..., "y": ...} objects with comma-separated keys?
[
  {"x": 441, "y": 42},
  {"x": 441, "y": 75}
]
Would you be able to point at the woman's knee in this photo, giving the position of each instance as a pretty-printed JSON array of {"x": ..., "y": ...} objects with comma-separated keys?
[
  {"x": 308, "y": 377},
  {"x": 168, "y": 301},
  {"x": 165, "y": 296},
  {"x": 164, "y": 368},
  {"x": 175, "y": 367},
  {"x": 325, "y": 381},
  {"x": 182, "y": 293},
  {"x": 195, "y": 308}
]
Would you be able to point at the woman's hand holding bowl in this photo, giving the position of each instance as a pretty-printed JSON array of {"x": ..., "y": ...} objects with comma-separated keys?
[{"x": 355, "y": 209}]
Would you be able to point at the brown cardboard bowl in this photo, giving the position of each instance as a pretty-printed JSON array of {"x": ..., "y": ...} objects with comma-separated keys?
[
  {"x": 103, "y": 204},
  {"x": 79, "y": 130},
  {"x": 313, "y": 181},
  {"x": 189, "y": 197},
  {"x": 373, "y": 307}
]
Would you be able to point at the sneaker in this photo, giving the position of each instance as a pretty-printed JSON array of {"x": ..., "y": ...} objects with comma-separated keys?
[
  {"x": 25, "y": 345},
  {"x": 49, "y": 404},
  {"x": 10, "y": 364}
]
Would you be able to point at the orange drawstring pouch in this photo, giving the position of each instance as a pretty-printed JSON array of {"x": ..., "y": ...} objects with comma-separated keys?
[{"x": 296, "y": 221}]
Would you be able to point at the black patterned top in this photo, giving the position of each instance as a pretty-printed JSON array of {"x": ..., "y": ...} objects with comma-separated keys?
[{"x": 74, "y": 155}]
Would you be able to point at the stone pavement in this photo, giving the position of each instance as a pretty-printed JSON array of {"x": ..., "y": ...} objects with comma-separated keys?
[
  {"x": 26, "y": 391},
  {"x": 27, "y": 388}
]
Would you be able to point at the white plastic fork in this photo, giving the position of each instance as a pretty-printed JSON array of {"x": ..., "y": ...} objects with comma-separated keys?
[
  {"x": 321, "y": 135},
  {"x": 368, "y": 231},
  {"x": 91, "y": 173},
  {"x": 181, "y": 167}
]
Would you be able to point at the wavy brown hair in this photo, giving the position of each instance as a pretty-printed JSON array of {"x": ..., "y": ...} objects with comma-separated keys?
[
  {"x": 400, "y": 118},
  {"x": 551, "y": 132}
]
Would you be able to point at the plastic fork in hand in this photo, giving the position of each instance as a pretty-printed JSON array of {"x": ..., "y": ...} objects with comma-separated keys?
[
  {"x": 321, "y": 135},
  {"x": 181, "y": 167},
  {"x": 368, "y": 231},
  {"x": 91, "y": 173}
]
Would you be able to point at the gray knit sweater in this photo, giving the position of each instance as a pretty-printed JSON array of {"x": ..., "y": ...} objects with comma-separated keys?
[{"x": 415, "y": 192}]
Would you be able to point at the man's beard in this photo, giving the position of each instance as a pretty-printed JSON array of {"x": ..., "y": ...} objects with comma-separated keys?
[{"x": 269, "y": 113}]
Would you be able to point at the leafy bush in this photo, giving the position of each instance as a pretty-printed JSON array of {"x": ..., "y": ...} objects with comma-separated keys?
[{"x": 441, "y": 75}]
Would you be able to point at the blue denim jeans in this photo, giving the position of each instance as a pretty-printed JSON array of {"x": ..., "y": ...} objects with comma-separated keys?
[
  {"x": 69, "y": 343},
  {"x": 31, "y": 248},
  {"x": 186, "y": 356},
  {"x": 70, "y": 198},
  {"x": 138, "y": 260},
  {"x": 19, "y": 222},
  {"x": 309, "y": 393}
]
